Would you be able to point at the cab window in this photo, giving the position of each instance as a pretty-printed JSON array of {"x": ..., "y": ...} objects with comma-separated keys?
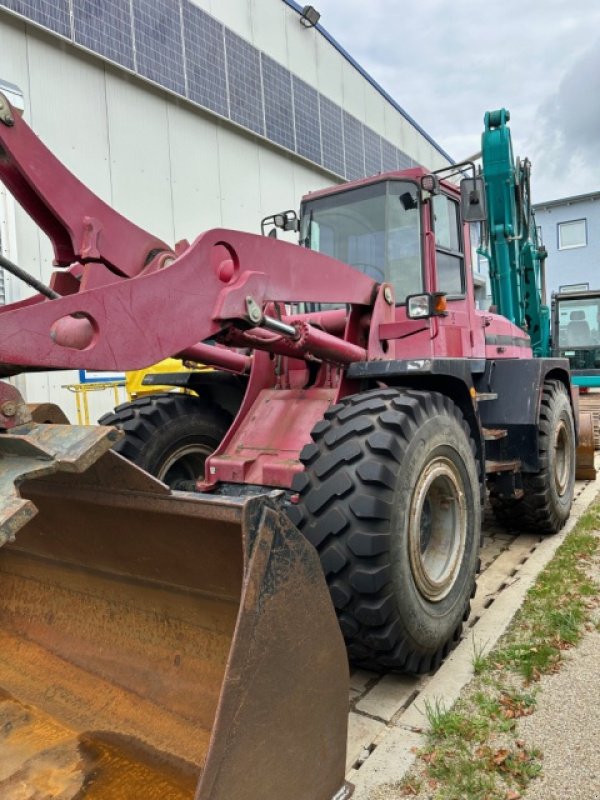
[
  {"x": 374, "y": 228},
  {"x": 448, "y": 245}
]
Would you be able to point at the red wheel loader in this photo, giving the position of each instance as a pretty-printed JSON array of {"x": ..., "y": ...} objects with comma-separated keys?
[{"x": 179, "y": 640}]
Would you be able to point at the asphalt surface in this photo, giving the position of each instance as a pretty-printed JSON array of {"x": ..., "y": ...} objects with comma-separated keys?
[
  {"x": 566, "y": 724},
  {"x": 566, "y": 728}
]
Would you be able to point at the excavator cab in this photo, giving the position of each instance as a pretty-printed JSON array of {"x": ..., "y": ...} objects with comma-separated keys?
[{"x": 576, "y": 336}]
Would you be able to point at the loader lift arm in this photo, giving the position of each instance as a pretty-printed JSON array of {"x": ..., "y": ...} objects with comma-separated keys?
[
  {"x": 81, "y": 227},
  {"x": 116, "y": 279}
]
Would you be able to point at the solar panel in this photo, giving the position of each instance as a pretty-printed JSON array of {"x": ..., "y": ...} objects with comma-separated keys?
[
  {"x": 105, "y": 28},
  {"x": 389, "y": 156},
  {"x": 204, "y": 40},
  {"x": 52, "y": 14},
  {"x": 306, "y": 116},
  {"x": 158, "y": 45},
  {"x": 372, "y": 151},
  {"x": 404, "y": 161},
  {"x": 245, "y": 89},
  {"x": 354, "y": 149},
  {"x": 279, "y": 114},
  {"x": 331, "y": 135}
]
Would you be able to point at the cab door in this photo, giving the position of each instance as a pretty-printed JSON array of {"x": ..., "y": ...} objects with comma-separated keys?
[{"x": 457, "y": 334}]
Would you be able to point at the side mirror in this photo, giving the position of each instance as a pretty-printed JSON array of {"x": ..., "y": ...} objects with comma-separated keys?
[
  {"x": 285, "y": 221},
  {"x": 472, "y": 200}
]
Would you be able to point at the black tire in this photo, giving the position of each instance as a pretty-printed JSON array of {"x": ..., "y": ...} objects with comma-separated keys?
[
  {"x": 547, "y": 494},
  {"x": 169, "y": 435},
  {"x": 363, "y": 499}
]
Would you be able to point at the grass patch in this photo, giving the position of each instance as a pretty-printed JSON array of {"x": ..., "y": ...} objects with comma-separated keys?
[
  {"x": 473, "y": 750},
  {"x": 555, "y": 611},
  {"x": 479, "y": 658}
]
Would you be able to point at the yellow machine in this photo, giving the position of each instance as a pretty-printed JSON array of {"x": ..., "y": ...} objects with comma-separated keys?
[{"x": 134, "y": 381}]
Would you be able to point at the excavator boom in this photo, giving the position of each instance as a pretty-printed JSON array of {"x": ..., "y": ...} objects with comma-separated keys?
[{"x": 515, "y": 255}]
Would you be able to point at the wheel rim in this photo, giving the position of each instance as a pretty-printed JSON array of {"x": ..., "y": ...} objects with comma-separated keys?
[
  {"x": 437, "y": 529},
  {"x": 186, "y": 463},
  {"x": 562, "y": 459}
]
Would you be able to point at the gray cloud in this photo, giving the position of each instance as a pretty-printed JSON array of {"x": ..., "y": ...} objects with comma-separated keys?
[
  {"x": 569, "y": 140},
  {"x": 448, "y": 61}
]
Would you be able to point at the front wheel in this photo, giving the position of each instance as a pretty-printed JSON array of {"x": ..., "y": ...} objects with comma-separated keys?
[
  {"x": 547, "y": 494},
  {"x": 170, "y": 435},
  {"x": 390, "y": 498}
]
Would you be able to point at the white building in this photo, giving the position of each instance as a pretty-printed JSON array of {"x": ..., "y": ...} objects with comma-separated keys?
[{"x": 190, "y": 115}]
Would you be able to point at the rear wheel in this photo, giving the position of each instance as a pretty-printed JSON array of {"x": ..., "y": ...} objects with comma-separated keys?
[
  {"x": 390, "y": 499},
  {"x": 169, "y": 435},
  {"x": 547, "y": 494}
]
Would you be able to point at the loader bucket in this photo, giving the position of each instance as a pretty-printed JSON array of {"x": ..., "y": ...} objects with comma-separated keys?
[
  {"x": 584, "y": 464},
  {"x": 158, "y": 644}
]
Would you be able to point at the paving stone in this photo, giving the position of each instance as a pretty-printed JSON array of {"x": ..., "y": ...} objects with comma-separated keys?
[
  {"x": 502, "y": 535},
  {"x": 499, "y": 572},
  {"x": 388, "y": 762},
  {"x": 361, "y": 732},
  {"x": 360, "y": 678},
  {"x": 490, "y": 554},
  {"x": 388, "y": 696}
]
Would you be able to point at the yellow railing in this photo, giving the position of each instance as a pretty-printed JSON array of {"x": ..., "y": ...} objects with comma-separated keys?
[{"x": 81, "y": 391}]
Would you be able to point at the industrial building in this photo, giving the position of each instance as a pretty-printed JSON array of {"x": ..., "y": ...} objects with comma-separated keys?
[
  {"x": 190, "y": 115},
  {"x": 570, "y": 229}
]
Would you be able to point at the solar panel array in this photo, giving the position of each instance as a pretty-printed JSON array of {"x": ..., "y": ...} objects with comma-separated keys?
[{"x": 177, "y": 45}]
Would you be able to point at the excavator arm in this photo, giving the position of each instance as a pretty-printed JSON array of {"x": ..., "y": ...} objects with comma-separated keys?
[{"x": 514, "y": 252}]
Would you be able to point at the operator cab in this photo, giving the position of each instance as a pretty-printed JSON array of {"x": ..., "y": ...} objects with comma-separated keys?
[
  {"x": 378, "y": 227},
  {"x": 385, "y": 227},
  {"x": 576, "y": 334}
]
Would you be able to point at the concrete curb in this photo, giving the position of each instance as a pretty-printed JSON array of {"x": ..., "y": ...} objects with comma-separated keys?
[{"x": 394, "y": 748}]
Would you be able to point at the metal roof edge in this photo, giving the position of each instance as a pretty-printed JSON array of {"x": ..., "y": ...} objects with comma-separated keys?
[
  {"x": 564, "y": 201},
  {"x": 298, "y": 8}
]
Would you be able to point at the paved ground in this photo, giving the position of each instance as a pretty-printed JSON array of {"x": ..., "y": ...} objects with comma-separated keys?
[
  {"x": 566, "y": 728},
  {"x": 386, "y": 719}
]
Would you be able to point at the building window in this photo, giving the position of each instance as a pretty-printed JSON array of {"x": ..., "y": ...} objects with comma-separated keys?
[{"x": 572, "y": 234}]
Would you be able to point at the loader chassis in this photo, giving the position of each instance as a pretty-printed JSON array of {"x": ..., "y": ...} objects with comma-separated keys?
[{"x": 378, "y": 427}]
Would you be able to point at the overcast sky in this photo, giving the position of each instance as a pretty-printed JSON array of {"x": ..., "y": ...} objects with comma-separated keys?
[{"x": 446, "y": 62}]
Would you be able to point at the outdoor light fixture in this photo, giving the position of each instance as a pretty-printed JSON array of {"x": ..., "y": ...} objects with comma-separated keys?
[
  {"x": 309, "y": 16},
  {"x": 430, "y": 183}
]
